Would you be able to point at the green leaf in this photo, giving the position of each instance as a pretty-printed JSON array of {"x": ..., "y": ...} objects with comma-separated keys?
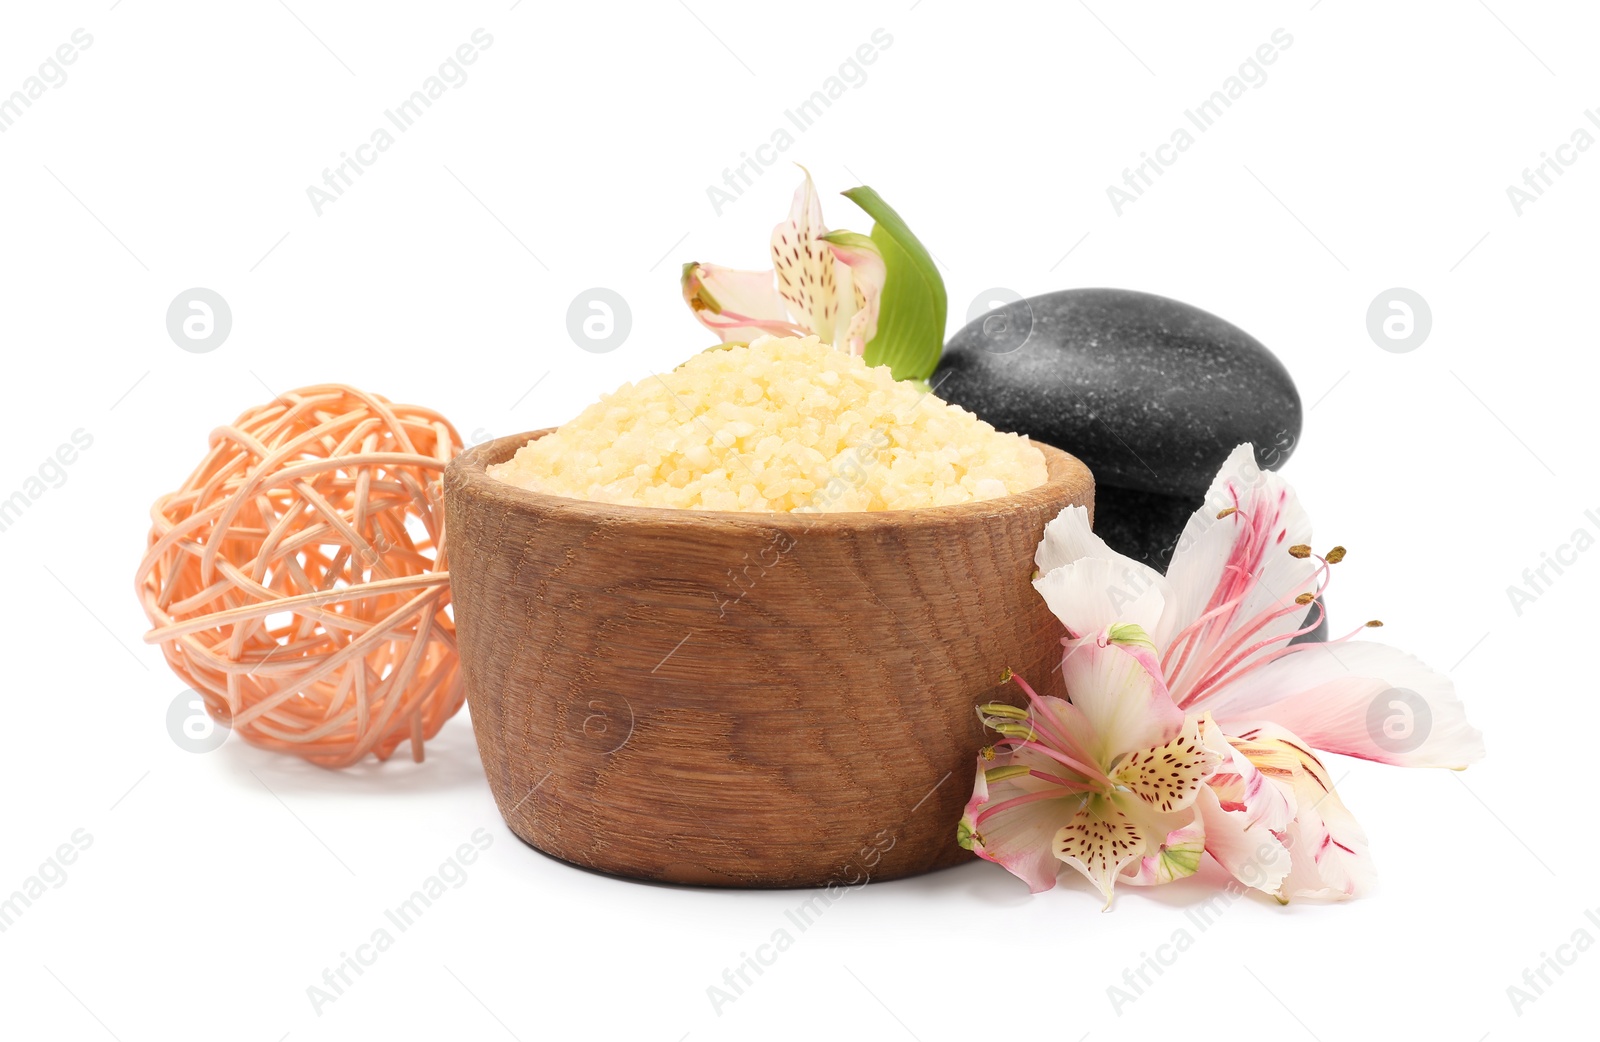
[{"x": 911, "y": 317}]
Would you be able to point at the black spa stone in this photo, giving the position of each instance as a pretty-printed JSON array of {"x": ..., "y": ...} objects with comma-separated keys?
[{"x": 1151, "y": 393}]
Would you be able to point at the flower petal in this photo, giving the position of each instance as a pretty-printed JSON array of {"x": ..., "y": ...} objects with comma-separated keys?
[
  {"x": 1327, "y": 848},
  {"x": 1178, "y": 857},
  {"x": 1018, "y": 835},
  {"x": 1244, "y": 814},
  {"x": 1165, "y": 778},
  {"x": 1123, "y": 700},
  {"x": 1100, "y": 841},
  {"x": 738, "y": 306},
  {"x": 866, "y": 273},
  {"x": 1093, "y": 596},
  {"x": 808, "y": 275},
  {"x": 1238, "y": 567},
  {"x": 1330, "y": 854},
  {"x": 1069, "y": 537},
  {"x": 1359, "y": 698},
  {"x": 1092, "y": 593}
]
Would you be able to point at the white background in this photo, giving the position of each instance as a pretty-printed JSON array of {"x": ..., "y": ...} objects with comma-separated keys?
[{"x": 1376, "y": 154}]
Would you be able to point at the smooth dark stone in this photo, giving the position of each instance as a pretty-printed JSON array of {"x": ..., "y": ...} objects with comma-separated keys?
[
  {"x": 1143, "y": 525},
  {"x": 1151, "y": 393},
  {"x": 1146, "y": 525}
]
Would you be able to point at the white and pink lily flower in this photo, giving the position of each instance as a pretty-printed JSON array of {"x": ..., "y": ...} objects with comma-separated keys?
[
  {"x": 1238, "y": 590},
  {"x": 1103, "y": 783},
  {"x": 824, "y": 283}
]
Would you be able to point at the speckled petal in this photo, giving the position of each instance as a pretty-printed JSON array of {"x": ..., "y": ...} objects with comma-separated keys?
[
  {"x": 1100, "y": 841},
  {"x": 1165, "y": 778},
  {"x": 808, "y": 273}
]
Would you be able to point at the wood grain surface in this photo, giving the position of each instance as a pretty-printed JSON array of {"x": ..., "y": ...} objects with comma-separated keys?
[{"x": 758, "y": 700}]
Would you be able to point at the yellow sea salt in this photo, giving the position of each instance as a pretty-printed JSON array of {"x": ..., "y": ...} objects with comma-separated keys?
[{"x": 786, "y": 424}]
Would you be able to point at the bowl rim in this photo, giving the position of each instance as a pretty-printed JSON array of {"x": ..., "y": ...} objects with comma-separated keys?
[{"x": 1068, "y": 478}]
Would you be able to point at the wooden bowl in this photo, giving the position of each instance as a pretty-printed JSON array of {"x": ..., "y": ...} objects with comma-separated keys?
[{"x": 742, "y": 699}]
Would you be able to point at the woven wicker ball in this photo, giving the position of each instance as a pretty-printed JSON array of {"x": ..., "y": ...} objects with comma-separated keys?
[{"x": 298, "y": 579}]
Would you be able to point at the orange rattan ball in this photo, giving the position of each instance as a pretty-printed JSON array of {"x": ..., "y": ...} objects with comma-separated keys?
[{"x": 298, "y": 579}]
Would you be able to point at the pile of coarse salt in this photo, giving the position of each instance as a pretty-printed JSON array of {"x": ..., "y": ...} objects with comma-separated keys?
[{"x": 786, "y": 424}]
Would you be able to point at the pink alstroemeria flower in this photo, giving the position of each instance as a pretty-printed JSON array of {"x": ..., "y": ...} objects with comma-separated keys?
[
  {"x": 823, "y": 283},
  {"x": 1239, "y": 587},
  {"x": 1103, "y": 782}
]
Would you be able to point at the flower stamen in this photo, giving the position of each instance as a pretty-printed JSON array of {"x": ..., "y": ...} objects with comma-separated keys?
[
  {"x": 1017, "y": 801},
  {"x": 1091, "y": 773},
  {"x": 1045, "y": 722},
  {"x": 1238, "y": 637}
]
